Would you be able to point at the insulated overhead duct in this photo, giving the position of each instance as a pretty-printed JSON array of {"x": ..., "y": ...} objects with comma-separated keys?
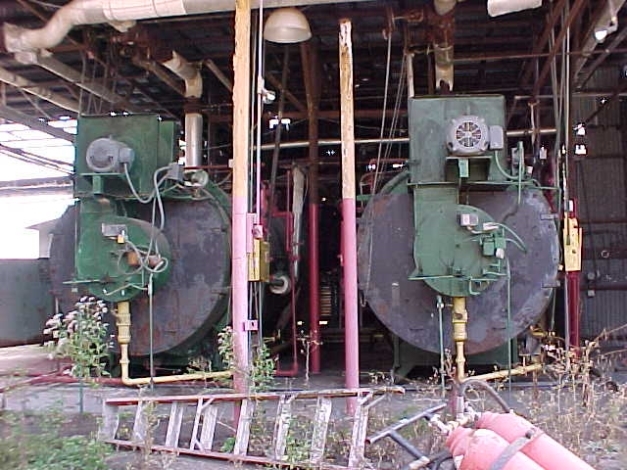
[
  {"x": 120, "y": 13},
  {"x": 188, "y": 72},
  {"x": 443, "y": 25},
  {"x": 193, "y": 118},
  {"x": 502, "y": 7}
]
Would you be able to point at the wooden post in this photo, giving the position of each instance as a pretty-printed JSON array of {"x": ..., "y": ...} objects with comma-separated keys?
[
  {"x": 239, "y": 262},
  {"x": 349, "y": 221}
]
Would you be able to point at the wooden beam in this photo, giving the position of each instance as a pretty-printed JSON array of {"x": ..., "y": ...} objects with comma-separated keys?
[{"x": 239, "y": 234}]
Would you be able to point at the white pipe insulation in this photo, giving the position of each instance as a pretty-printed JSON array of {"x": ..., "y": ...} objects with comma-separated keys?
[
  {"x": 442, "y": 7},
  {"x": 188, "y": 72},
  {"x": 193, "y": 119},
  {"x": 120, "y": 13},
  {"x": 443, "y": 52}
]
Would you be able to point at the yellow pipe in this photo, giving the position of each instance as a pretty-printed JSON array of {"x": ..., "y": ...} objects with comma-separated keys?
[
  {"x": 501, "y": 374},
  {"x": 460, "y": 335},
  {"x": 123, "y": 323}
]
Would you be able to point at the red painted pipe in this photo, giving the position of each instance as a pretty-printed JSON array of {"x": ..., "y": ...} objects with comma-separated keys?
[
  {"x": 478, "y": 449},
  {"x": 574, "y": 307},
  {"x": 314, "y": 290},
  {"x": 543, "y": 450}
]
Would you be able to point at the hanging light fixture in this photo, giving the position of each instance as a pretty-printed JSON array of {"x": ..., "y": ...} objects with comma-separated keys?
[{"x": 286, "y": 26}]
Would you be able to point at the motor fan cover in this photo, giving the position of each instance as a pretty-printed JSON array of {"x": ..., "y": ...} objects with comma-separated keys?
[{"x": 467, "y": 135}]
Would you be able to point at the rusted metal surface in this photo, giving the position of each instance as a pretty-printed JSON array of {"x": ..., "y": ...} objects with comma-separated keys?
[
  {"x": 408, "y": 308},
  {"x": 25, "y": 300},
  {"x": 196, "y": 295},
  {"x": 62, "y": 250}
]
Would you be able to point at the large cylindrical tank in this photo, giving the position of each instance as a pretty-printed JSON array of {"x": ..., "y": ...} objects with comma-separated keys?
[
  {"x": 409, "y": 307},
  {"x": 195, "y": 296}
]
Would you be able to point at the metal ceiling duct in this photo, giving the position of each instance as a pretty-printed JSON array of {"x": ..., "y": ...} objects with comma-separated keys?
[
  {"x": 193, "y": 117},
  {"x": 443, "y": 25},
  {"x": 188, "y": 72},
  {"x": 120, "y": 13}
]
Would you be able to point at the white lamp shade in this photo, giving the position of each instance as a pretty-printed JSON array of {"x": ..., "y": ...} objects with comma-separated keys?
[{"x": 286, "y": 25}]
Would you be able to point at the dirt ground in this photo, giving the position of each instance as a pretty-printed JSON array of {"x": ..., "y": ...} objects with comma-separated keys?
[{"x": 594, "y": 429}]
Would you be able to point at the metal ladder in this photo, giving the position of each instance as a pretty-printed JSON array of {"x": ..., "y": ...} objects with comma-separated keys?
[{"x": 206, "y": 409}]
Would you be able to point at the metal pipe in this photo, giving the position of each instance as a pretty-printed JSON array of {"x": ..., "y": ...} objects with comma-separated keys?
[
  {"x": 193, "y": 139},
  {"x": 389, "y": 140},
  {"x": 123, "y": 323},
  {"x": 410, "y": 75},
  {"x": 460, "y": 335},
  {"x": 502, "y": 374},
  {"x": 41, "y": 92},
  {"x": 239, "y": 260},
  {"x": 349, "y": 210},
  {"x": 312, "y": 92},
  {"x": 329, "y": 142}
]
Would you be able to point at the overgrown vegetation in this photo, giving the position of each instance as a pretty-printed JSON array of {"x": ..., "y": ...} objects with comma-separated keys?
[
  {"x": 581, "y": 409},
  {"x": 260, "y": 373},
  {"x": 81, "y": 336},
  {"x": 41, "y": 442}
]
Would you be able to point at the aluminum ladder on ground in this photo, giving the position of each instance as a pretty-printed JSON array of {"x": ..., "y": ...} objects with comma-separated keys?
[{"x": 205, "y": 411}]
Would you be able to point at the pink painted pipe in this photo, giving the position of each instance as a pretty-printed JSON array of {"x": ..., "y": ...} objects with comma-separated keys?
[{"x": 543, "y": 450}]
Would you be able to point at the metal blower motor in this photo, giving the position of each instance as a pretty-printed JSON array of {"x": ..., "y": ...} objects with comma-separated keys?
[{"x": 458, "y": 223}]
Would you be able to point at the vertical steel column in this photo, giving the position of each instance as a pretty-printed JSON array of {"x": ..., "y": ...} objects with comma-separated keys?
[
  {"x": 349, "y": 220},
  {"x": 239, "y": 262},
  {"x": 312, "y": 91}
]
